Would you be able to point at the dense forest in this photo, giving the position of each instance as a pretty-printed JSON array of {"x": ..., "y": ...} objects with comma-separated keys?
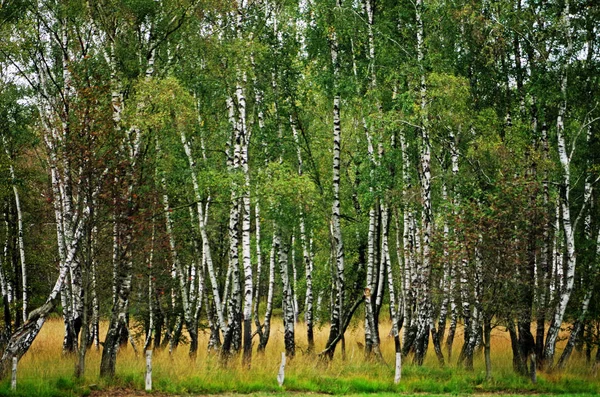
[{"x": 177, "y": 166}]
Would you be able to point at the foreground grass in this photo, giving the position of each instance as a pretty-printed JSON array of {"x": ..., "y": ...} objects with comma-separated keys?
[{"x": 44, "y": 371}]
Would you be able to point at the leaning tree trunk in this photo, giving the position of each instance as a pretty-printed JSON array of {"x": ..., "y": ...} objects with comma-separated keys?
[
  {"x": 568, "y": 226},
  {"x": 592, "y": 270},
  {"x": 578, "y": 326},
  {"x": 181, "y": 275},
  {"x": 206, "y": 250},
  {"x": 21, "y": 340}
]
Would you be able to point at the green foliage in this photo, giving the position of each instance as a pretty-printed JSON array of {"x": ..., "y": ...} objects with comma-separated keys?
[{"x": 283, "y": 193}]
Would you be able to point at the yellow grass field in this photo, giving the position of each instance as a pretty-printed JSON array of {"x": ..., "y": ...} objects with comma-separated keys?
[{"x": 177, "y": 373}]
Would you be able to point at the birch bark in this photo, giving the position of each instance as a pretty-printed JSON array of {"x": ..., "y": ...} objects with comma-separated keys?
[
  {"x": 338, "y": 244},
  {"x": 425, "y": 321},
  {"x": 568, "y": 227},
  {"x": 20, "y": 242},
  {"x": 306, "y": 251}
]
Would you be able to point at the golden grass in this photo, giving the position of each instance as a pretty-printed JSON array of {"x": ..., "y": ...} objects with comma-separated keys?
[{"x": 178, "y": 374}]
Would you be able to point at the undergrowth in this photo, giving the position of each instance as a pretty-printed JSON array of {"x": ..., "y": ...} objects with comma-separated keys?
[{"x": 45, "y": 372}]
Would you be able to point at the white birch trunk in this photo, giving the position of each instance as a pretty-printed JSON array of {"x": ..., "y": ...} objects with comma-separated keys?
[
  {"x": 387, "y": 264},
  {"x": 338, "y": 244},
  {"x": 180, "y": 274},
  {"x": 306, "y": 250},
  {"x": 246, "y": 258},
  {"x": 294, "y": 278},
  {"x": 446, "y": 276},
  {"x": 408, "y": 251},
  {"x": 568, "y": 227},
  {"x": 424, "y": 298},
  {"x": 287, "y": 298},
  {"x": 206, "y": 251},
  {"x": 264, "y": 337},
  {"x": 20, "y": 242}
]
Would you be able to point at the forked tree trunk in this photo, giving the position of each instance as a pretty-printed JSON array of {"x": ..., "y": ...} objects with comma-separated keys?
[
  {"x": 568, "y": 226},
  {"x": 118, "y": 330},
  {"x": 592, "y": 269}
]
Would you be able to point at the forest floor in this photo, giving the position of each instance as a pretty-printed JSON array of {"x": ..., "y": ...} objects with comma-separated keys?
[{"x": 45, "y": 371}]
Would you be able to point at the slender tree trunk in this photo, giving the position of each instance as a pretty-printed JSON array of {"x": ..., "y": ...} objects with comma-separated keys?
[
  {"x": 294, "y": 278},
  {"x": 287, "y": 298},
  {"x": 264, "y": 336},
  {"x": 24, "y": 285},
  {"x": 206, "y": 250},
  {"x": 180, "y": 274},
  {"x": 578, "y": 326},
  {"x": 387, "y": 264},
  {"x": 447, "y": 276},
  {"x": 371, "y": 332},
  {"x": 425, "y": 322},
  {"x": 4, "y": 284},
  {"x": 246, "y": 259},
  {"x": 545, "y": 274},
  {"x": 568, "y": 227},
  {"x": 455, "y": 287},
  {"x": 150, "y": 265},
  {"x": 336, "y": 331},
  {"x": 487, "y": 341},
  {"x": 408, "y": 251},
  {"x": 83, "y": 341}
]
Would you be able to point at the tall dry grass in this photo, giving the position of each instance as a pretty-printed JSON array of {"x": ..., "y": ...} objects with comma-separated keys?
[{"x": 44, "y": 369}]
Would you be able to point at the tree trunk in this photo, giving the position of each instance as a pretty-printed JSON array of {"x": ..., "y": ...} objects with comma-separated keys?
[
  {"x": 206, "y": 250},
  {"x": 578, "y": 326},
  {"x": 568, "y": 227},
  {"x": 287, "y": 298},
  {"x": 336, "y": 331},
  {"x": 487, "y": 341},
  {"x": 20, "y": 242},
  {"x": 21, "y": 340},
  {"x": 246, "y": 259},
  {"x": 264, "y": 335},
  {"x": 424, "y": 304}
]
